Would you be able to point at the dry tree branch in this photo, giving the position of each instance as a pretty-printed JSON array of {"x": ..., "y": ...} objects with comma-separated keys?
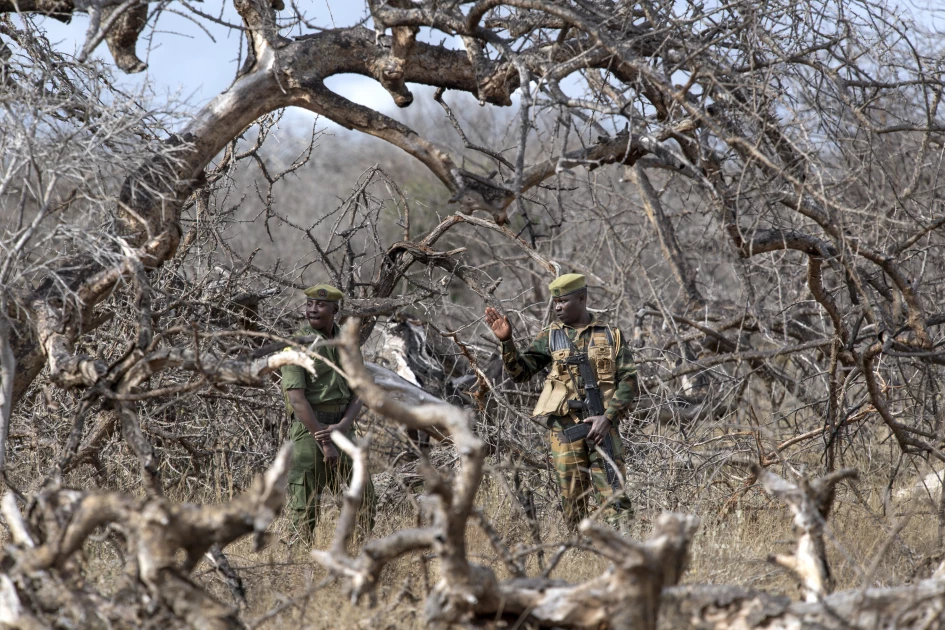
[
  {"x": 810, "y": 502},
  {"x": 155, "y": 530},
  {"x": 626, "y": 596},
  {"x": 7, "y": 370},
  {"x": 666, "y": 235}
]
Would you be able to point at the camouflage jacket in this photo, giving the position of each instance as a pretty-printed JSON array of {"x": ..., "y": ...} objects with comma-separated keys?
[{"x": 522, "y": 366}]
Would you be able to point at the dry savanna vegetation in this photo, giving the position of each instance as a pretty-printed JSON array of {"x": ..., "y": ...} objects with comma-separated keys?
[{"x": 754, "y": 191}]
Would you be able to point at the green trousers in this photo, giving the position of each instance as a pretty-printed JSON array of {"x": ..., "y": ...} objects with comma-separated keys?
[
  {"x": 310, "y": 478},
  {"x": 580, "y": 471}
]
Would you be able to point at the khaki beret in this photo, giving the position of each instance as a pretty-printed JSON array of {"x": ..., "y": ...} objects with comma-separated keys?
[
  {"x": 568, "y": 283},
  {"x": 323, "y": 292}
]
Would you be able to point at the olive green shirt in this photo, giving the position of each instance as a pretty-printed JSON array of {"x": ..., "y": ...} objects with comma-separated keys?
[
  {"x": 326, "y": 386},
  {"x": 522, "y": 366}
]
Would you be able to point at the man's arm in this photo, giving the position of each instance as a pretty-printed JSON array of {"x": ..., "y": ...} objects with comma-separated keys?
[
  {"x": 305, "y": 414},
  {"x": 628, "y": 386},
  {"x": 522, "y": 366},
  {"x": 351, "y": 414}
]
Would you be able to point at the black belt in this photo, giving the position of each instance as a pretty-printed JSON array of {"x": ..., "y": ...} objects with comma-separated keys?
[
  {"x": 329, "y": 417},
  {"x": 324, "y": 417}
]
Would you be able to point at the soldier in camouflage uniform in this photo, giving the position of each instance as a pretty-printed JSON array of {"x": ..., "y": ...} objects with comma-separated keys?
[
  {"x": 319, "y": 404},
  {"x": 580, "y": 468}
]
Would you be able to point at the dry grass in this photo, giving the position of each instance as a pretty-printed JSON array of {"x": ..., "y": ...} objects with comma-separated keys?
[
  {"x": 286, "y": 590},
  {"x": 730, "y": 548}
]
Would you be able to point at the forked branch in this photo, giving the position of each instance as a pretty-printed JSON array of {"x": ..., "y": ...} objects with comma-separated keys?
[
  {"x": 810, "y": 502},
  {"x": 155, "y": 531}
]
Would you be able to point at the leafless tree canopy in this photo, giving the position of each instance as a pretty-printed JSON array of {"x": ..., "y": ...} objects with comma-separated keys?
[{"x": 752, "y": 188}]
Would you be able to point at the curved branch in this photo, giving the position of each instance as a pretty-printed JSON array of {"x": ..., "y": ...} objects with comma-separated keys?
[
  {"x": 442, "y": 418},
  {"x": 815, "y": 281},
  {"x": 906, "y": 442},
  {"x": 915, "y": 311}
]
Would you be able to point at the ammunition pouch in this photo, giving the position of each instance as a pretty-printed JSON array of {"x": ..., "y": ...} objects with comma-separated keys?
[
  {"x": 559, "y": 389},
  {"x": 603, "y": 360}
]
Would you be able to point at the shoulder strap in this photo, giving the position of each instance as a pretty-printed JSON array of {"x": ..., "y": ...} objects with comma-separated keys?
[
  {"x": 611, "y": 340},
  {"x": 610, "y": 335},
  {"x": 558, "y": 340}
]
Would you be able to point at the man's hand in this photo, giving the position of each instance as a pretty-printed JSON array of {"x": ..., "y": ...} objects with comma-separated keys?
[
  {"x": 600, "y": 428},
  {"x": 324, "y": 435},
  {"x": 321, "y": 432},
  {"x": 500, "y": 325},
  {"x": 330, "y": 453},
  {"x": 347, "y": 421}
]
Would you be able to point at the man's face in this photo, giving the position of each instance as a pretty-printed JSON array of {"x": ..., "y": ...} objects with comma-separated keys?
[
  {"x": 570, "y": 309},
  {"x": 320, "y": 314}
]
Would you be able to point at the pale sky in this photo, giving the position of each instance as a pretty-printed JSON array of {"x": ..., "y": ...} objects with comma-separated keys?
[{"x": 184, "y": 61}]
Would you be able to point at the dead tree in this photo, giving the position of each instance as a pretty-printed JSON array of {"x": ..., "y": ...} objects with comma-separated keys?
[
  {"x": 42, "y": 584},
  {"x": 636, "y": 590},
  {"x": 791, "y": 200},
  {"x": 752, "y": 190}
]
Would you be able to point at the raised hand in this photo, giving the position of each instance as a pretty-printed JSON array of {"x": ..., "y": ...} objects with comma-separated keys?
[{"x": 500, "y": 325}]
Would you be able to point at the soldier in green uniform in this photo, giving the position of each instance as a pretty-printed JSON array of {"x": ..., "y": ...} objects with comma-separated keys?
[
  {"x": 319, "y": 404},
  {"x": 580, "y": 468}
]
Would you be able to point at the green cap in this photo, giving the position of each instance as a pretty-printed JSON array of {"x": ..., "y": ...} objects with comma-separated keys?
[
  {"x": 568, "y": 283},
  {"x": 323, "y": 292}
]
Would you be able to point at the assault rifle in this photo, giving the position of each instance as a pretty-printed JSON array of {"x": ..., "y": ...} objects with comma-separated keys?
[{"x": 592, "y": 405}]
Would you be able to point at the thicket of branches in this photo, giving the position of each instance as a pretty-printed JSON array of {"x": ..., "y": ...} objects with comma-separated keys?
[{"x": 753, "y": 191}]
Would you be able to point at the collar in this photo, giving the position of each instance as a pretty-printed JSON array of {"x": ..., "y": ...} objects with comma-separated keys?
[{"x": 579, "y": 330}]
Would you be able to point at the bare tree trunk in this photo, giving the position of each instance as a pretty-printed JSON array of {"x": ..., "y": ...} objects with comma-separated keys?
[{"x": 7, "y": 372}]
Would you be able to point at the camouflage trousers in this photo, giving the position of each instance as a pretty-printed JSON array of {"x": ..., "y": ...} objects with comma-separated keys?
[
  {"x": 310, "y": 478},
  {"x": 581, "y": 472}
]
